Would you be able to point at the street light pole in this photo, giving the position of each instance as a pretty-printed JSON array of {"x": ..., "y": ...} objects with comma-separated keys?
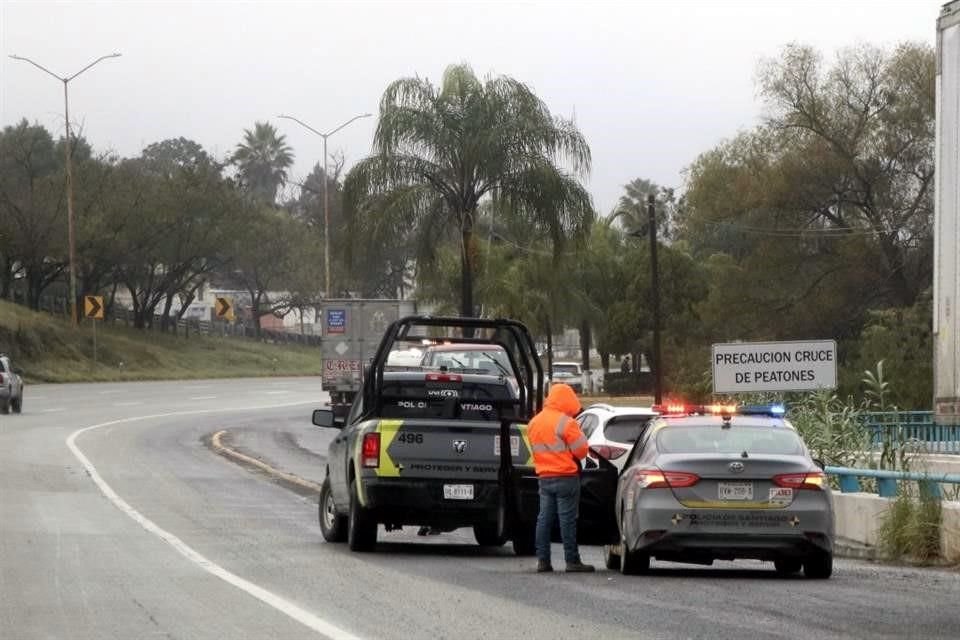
[
  {"x": 651, "y": 230},
  {"x": 71, "y": 234},
  {"x": 326, "y": 206}
]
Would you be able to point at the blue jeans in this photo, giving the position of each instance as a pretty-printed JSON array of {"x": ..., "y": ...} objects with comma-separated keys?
[{"x": 559, "y": 497}]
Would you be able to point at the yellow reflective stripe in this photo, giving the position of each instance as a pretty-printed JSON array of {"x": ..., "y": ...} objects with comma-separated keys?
[
  {"x": 526, "y": 441},
  {"x": 388, "y": 431},
  {"x": 716, "y": 504}
]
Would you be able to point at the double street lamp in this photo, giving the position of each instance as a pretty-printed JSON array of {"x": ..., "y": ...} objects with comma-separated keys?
[
  {"x": 71, "y": 237},
  {"x": 326, "y": 208},
  {"x": 651, "y": 230}
]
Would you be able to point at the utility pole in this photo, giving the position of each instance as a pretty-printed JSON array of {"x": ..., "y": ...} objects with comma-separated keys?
[
  {"x": 655, "y": 285},
  {"x": 71, "y": 223},
  {"x": 326, "y": 207},
  {"x": 651, "y": 231}
]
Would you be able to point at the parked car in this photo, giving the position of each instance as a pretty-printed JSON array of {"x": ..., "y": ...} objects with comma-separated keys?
[
  {"x": 570, "y": 373},
  {"x": 612, "y": 431},
  {"x": 705, "y": 484},
  {"x": 11, "y": 387}
]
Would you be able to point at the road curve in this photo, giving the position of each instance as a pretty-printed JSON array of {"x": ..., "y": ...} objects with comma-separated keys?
[{"x": 161, "y": 537}]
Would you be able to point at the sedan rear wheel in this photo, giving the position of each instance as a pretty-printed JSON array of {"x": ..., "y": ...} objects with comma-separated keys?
[
  {"x": 787, "y": 566},
  {"x": 818, "y": 566},
  {"x": 633, "y": 563},
  {"x": 611, "y": 558}
]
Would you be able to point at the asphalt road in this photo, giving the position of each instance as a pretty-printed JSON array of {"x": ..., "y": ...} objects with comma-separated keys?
[{"x": 136, "y": 529}]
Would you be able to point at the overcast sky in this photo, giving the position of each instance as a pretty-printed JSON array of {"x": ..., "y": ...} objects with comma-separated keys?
[{"x": 652, "y": 84}]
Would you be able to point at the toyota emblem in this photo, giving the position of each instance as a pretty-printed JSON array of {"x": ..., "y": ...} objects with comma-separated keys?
[{"x": 736, "y": 467}]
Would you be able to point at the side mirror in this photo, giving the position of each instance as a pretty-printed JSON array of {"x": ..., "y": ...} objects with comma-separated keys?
[
  {"x": 324, "y": 418},
  {"x": 819, "y": 463}
]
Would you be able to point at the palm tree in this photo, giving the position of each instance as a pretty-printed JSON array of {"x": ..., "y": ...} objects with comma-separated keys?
[
  {"x": 439, "y": 151},
  {"x": 262, "y": 160},
  {"x": 631, "y": 210}
]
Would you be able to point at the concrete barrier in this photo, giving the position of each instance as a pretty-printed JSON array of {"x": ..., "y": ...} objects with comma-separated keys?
[{"x": 860, "y": 515}]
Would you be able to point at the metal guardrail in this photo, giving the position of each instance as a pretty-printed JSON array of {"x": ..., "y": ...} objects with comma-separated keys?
[
  {"x": 888, "y": 481},
  {"x": 912, "y": 427}
]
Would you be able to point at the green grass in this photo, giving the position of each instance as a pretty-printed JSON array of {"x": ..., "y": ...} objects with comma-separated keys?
[{"x": 48, "y": 349}]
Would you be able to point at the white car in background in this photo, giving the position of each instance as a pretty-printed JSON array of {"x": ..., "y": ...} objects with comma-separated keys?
[{"x": 612, "y": 431}]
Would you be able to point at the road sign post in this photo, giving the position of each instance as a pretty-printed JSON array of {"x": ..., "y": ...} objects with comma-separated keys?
[
  {"x": 223, "y": 307},
  {"x": 93, "y": 309}
]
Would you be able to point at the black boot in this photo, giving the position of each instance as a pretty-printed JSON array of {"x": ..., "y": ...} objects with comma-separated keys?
[{"x": 543, "y": 566}]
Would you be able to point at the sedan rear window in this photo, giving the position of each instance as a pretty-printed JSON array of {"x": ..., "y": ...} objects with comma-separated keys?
[
  {"x": 625, "y": 428},
  {"x": 714, "y": 439}
]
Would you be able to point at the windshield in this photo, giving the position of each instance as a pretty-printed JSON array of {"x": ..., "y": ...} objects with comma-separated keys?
[
  {"x": 716, "y": 439},
  {"x": 492, "y": 361}
]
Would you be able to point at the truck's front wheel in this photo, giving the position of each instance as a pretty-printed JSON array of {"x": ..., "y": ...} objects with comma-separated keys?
[
  {"x": 333, "y": 526},
  {"x": 362, "y": 529}
]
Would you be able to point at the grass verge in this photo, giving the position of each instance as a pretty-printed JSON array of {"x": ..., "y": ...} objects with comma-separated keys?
[{"x": 49, "y": 349}]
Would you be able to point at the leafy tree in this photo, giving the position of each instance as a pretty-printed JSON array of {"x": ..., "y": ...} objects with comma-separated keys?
[
  {"x": 32, "y": 209},
  {"x": 439, "y": 151},
  {"x": 276, "y": 262},
  {"x": 262, "y": 160}
]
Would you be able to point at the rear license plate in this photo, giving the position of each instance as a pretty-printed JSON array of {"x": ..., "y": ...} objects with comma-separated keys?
[
  {"x": 736, "y": 491},
  {"x": 458, "y": 491}
]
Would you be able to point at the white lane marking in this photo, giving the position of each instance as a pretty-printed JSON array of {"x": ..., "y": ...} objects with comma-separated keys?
[
  {"x": 33, "y": 397},
  {"x": 203, "y": 398},
  {"x": 197, "y": 386},
  {"x": 273, "y": 393},
  {"x": 126, "y": 404},
  {"x": 293, "y": 611},
  {"x": 56, "y": 410},
  {"x": 110, "y": 391}
]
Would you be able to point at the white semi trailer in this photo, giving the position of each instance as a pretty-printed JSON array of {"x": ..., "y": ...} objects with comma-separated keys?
[{"x": 946, "y": 278}]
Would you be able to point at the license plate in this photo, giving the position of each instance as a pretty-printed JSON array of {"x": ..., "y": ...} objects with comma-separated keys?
[
  {"x": 458, "y": 491},
  {"x": 736, "y": 491}
]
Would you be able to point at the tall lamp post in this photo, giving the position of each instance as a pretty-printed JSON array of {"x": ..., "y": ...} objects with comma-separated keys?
[
  {"x": 651, "y": 230},
  {"x": 71, "y": 236},
  {"x": 326, "y": 208}
]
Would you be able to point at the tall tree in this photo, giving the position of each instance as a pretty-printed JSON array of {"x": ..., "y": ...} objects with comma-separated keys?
[
  {"x": 439, "y": 151},
  {"x": 262, "y": 160},
  {"x": 631, "y": 210}
]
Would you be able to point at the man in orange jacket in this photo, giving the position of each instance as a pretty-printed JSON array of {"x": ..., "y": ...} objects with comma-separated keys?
[{"x": 558, "y": 446}]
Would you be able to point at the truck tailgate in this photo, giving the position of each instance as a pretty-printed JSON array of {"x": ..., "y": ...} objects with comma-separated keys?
[{"x": 428, "y": 448}]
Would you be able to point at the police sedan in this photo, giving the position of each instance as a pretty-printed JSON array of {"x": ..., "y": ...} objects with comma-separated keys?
[{"x": 722, "y": 482}]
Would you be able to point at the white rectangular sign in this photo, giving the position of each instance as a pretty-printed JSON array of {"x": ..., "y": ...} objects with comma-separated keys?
[{"x": 740, "y": 367}]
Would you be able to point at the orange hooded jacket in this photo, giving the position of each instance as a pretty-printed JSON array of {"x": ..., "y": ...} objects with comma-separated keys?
[{"x": 556, "y": 438}]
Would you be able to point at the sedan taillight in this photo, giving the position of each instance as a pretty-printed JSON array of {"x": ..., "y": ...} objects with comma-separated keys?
[
  {"x": 657, "y": 479},
  {"x": 813, "y": 480}
]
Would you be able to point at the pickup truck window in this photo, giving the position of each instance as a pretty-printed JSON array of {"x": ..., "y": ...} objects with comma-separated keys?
[{"x": 467, "y": 401}]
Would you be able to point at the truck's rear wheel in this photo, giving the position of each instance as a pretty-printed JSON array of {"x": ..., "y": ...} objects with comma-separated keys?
[
  {"x": 487, "y": 535},
  {"x": 362, "y": 529},
  {"x": 333, "y": 526}
]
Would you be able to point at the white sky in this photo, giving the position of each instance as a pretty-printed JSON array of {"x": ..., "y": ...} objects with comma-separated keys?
[{"x": 652, "y": 84}]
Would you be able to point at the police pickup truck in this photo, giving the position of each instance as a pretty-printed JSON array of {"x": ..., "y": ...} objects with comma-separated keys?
[{"x": 424, "y": 446}]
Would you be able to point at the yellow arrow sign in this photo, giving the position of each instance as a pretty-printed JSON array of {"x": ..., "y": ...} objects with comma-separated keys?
[
  {"x": 224, "y": 308},
  {"x": 93, "y": 307}
]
